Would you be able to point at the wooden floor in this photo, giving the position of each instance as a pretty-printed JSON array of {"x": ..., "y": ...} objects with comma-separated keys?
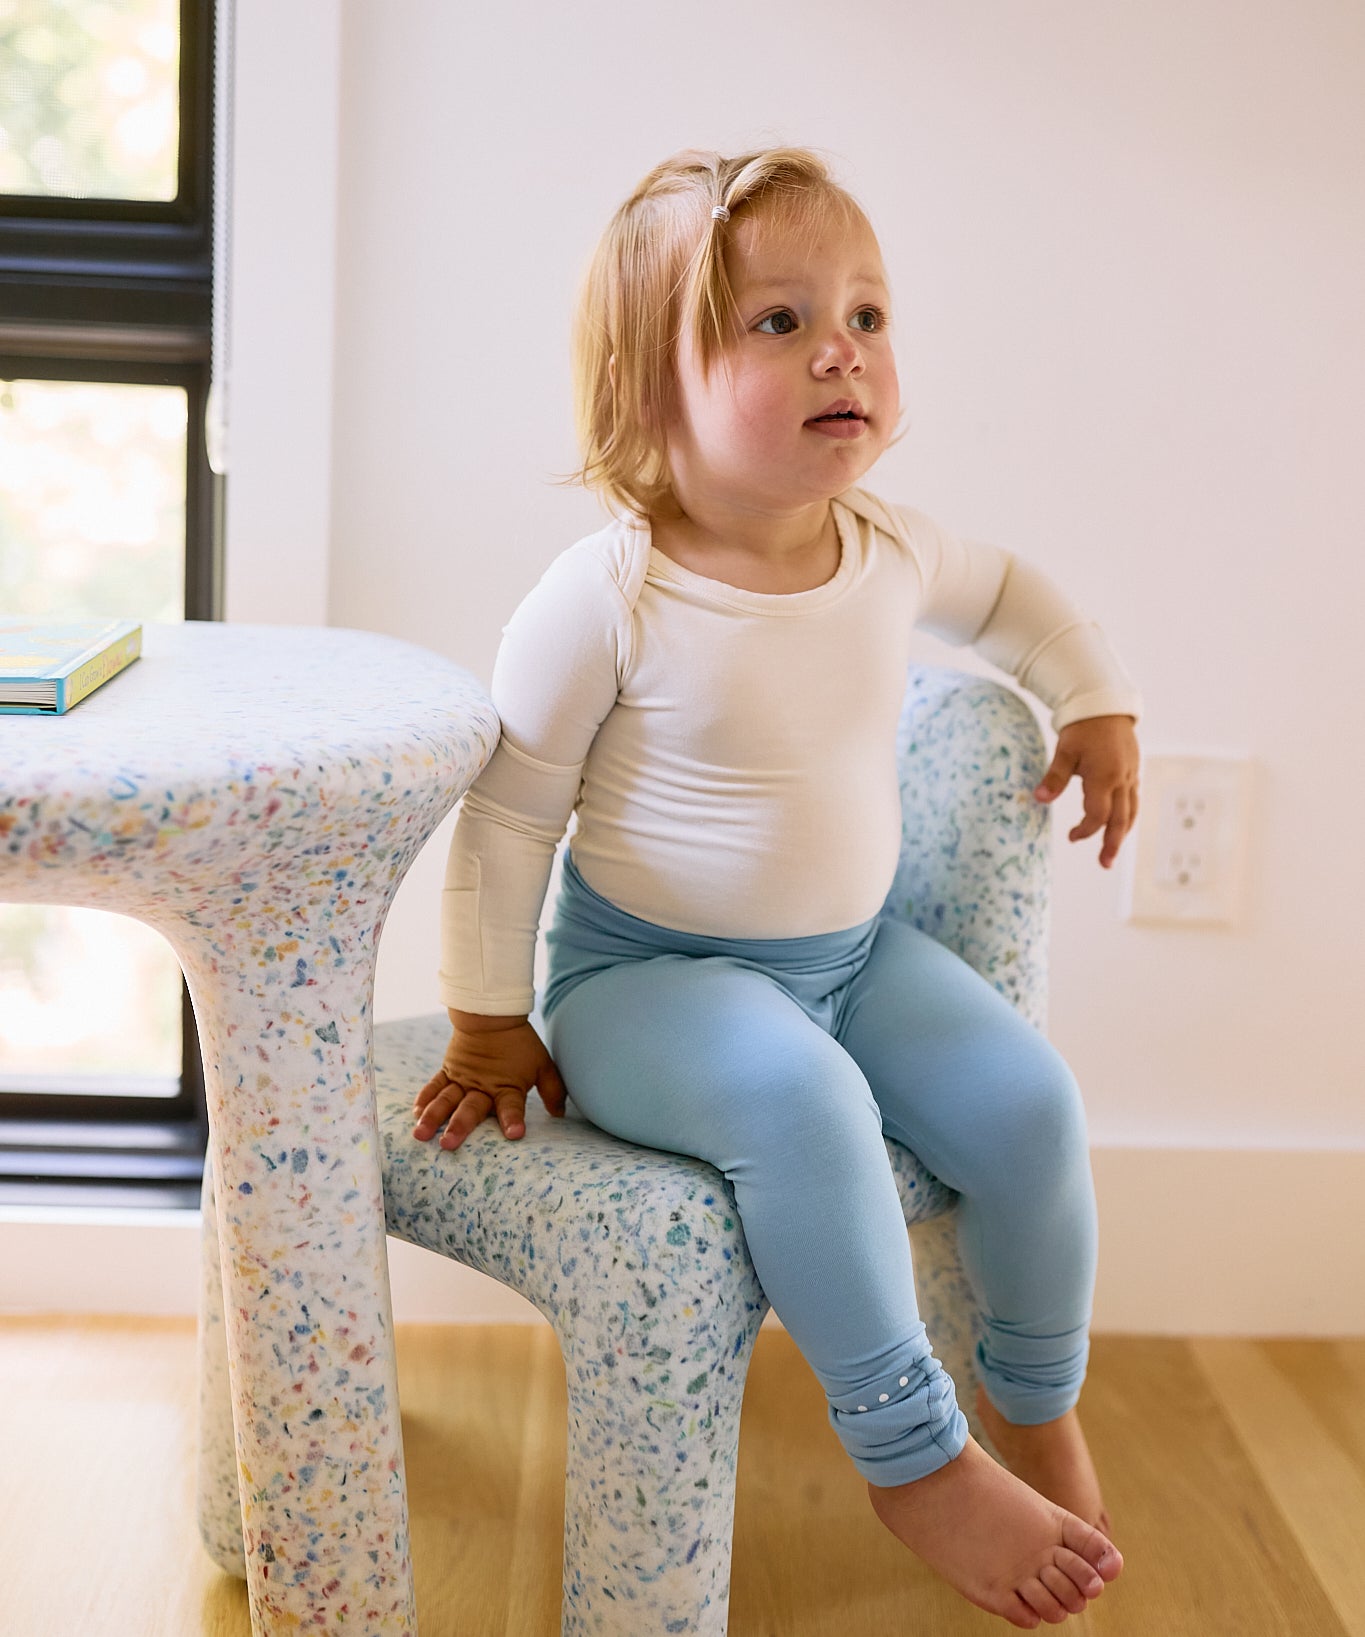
[{"x": 1234, "y": 1471}]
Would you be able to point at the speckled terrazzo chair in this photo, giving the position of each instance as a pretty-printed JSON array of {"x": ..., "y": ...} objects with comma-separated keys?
[{"x": 637, "y": 1257}]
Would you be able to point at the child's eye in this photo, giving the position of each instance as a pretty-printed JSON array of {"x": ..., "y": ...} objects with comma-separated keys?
[
  {"x": 784, "y": 321},
  {"x": 876, "y": 319}
]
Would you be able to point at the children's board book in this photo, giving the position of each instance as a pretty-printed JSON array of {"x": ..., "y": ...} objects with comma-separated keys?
[{"x": 47, "y": 666}]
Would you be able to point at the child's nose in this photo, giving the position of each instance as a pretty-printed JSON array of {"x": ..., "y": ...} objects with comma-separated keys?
[{"x": 839, "y": 353}]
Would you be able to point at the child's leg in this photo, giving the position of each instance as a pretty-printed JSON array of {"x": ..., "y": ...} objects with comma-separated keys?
[
  {"x": 714, "y": 1059},
  {"x": 992, "y": 1110},
  {"x": 704, "y": 1057}
]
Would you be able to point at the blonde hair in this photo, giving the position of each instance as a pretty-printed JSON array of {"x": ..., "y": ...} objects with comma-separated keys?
[{"x": 660, "y": 268}]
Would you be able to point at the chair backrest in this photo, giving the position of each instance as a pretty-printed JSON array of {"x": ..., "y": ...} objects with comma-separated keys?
[{"x": 974, "y": 869}]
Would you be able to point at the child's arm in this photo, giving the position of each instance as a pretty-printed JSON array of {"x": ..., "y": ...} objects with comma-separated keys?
[
  {"x": 1016, "y": 617},
  {"x": 556, "y": 677}
]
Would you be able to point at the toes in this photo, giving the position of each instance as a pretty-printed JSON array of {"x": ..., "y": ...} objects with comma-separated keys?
[
  {"x": 1067, "y": 1593},
  {"x": 1097, "y": 1549},
  {"x": 1081, "y": 1575},
  {"x": 1042, "y": 1602},
  {"x": 1018, "y": 1613}
]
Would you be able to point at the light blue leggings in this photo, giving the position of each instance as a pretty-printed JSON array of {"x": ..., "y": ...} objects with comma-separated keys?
[{"x": 781, "y": 1062}]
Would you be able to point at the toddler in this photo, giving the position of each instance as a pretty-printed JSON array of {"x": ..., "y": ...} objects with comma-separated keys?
[{"x": 712, "y": 683}]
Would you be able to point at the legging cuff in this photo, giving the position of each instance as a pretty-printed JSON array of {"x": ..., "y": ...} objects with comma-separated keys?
[
  {"x": 901, "y": 1427},
  {"x": 1036, "y": 1380}
]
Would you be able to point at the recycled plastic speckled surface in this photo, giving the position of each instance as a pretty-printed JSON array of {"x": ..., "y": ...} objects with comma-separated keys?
[
  {"x": 256, "y": 794},
  {"x": 638, "y": 1257}
]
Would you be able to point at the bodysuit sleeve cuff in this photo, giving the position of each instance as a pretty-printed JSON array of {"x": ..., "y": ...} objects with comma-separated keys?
[
  {"x": 497, "y": 872},
  {"x": 1039, "y": 636}
]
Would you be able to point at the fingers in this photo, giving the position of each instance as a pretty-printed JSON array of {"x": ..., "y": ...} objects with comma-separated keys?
[
  {"x": 1112, "y": 809},
  {"x": 1120, "y": 822},
  {"x": 434, "y": 1101},
  {"x": 1103, "y": 752},
  {"x": 1058, "y": 776},
  {"x": 485, "y": 1073},
  {"x": 553, "y": 1092},
  {"x": 511, "y": 1112},
  {"x": 474, "y": 1108},
  {"x": 468, "y": 1108},
  {"x": 1113, "y": 812},
  {"x": 433, "y": 1088}
]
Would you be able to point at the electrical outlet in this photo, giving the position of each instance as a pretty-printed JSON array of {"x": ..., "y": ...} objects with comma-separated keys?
[
  {"x": 1190, "y": 845},
  {"x": 1187, "y": 837}
]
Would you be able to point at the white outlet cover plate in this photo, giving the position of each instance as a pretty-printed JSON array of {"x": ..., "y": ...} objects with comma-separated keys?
[{"x": 1154, "y": 891}]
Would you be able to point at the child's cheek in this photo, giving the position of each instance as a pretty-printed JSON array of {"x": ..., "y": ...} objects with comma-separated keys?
[{"x": 763, "y": 410}]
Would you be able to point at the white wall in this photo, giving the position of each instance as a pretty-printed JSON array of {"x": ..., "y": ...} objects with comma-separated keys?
[{"x": 1127, "y": 247}]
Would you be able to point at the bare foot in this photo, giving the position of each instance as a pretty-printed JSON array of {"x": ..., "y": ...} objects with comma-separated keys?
[
  {"x": 992, "y": 1538},
  {"x": 1053, "y": 1458}
]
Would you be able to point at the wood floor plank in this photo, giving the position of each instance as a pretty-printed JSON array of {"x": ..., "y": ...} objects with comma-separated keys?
[
  {"x": 1316, "y": 1486},
  {"x": 97, "y": 1532},
  {"x": 1206, "y": 1549},
  {"x": 464, "y": 1391},
  {"x": 535, "y": 1562},
  {"x": 1330, "y": 1375},
  {"x": 97, "y": 1428}
]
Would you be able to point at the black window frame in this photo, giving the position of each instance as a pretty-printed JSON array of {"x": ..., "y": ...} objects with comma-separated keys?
[{"x": 121, "y": 290}]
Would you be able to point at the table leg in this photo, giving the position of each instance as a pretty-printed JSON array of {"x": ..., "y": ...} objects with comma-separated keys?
[
  {"x": 287, "y": 1038},
  {"x": 220, "y": 1502}
]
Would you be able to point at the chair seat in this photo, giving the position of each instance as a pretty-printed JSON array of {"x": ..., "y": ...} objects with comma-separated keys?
[
  {"x": 568, "y": 1206},
  {"x": 638, "y": 1259}
]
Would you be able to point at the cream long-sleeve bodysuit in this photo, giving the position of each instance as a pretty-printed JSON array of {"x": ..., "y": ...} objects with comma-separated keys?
[{"x": 730, "y": 754}]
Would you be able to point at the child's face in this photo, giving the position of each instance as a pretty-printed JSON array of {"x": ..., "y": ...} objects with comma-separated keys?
[{"x": 815, "y": 317}]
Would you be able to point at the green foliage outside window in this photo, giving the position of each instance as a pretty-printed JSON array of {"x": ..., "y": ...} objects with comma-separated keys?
[{"x": 89, "y": 102}]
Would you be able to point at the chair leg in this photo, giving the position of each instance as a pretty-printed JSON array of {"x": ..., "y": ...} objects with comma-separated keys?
[
  {"x": 649, "y": 1495},
  {"x": 947, "y": 1304},
  {"x": 220, "y": 1504}
]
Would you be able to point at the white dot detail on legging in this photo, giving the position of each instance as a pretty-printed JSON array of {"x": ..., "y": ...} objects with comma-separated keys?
[
  {"x": 883, "y": 1398},
  {"x": 905, "y": 1381},
  {"x": 862, "y": 1406}
]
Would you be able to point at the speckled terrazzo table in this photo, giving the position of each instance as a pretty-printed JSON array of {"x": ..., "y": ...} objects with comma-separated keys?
[{"x": 256, "y": 794}]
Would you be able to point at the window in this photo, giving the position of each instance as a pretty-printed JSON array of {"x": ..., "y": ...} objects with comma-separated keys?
[{"x": 107, "y": 507}]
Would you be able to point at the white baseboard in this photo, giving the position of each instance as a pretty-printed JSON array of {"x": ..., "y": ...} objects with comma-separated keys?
[{"x": 1193, "y": 1242}]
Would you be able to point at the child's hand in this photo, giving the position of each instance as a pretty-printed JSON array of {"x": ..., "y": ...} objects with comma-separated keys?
[
  {"x": 489, "y": 1063},
  {"x": 1104, "y": 751}
]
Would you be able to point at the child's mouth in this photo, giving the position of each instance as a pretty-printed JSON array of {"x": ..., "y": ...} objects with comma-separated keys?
[{"x": 844, "y": 423}]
